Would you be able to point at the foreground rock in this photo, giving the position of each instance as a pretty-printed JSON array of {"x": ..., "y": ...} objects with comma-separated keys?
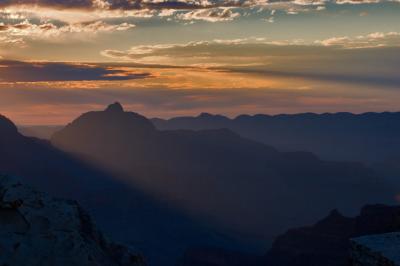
[
  {"x": 377, "y": 250},
  {"x": 327, "y": 242},
  {"x": 40, "y": 230}
]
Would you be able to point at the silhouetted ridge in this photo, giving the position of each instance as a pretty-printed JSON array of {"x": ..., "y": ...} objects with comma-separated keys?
[
  {"x": 333, "y": 223},
  {"x": 7, "y": 127},
  {"x": 219, "y": 175},
  {"x": 205, "y": 115},
  {"x": 369, "y": 137},
  {"x": 111, "y": 125}
]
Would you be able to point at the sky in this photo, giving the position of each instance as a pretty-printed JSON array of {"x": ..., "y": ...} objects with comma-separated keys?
[{"x": 166, "y": 58}]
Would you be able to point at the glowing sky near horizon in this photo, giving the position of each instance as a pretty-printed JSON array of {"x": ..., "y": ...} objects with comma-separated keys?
[{"x": 167, "y": 58}]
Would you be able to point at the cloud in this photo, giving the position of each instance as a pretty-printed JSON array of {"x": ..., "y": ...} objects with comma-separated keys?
[
  {"x": 57, "y": 4},
  {"x": 210, "y": 15},
  {"x": 208, "y": 10},
  {"x": 49, "y": 30},
  {"x": 329, "y": 60},
  {"x": 195, "y": 53},
  {"x": 376, "y": 39},
  {"x": 358, "y": 2},
  {"x": 266, "y": 78},
  {"x": 11, "y": 41},
  {"x": 253, "y": 49},
  {"x": 19, "y": 33},
  {"x": 172, "y": 4},
  {"x": 17, "y": 71}
]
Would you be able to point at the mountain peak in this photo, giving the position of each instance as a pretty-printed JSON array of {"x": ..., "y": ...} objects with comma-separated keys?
[
  {"x": 335, "y": 213},
  {"x": 205, "y": 115},
  {"x": 7, "y": 126},
  {"x": 115, "y": 107}
]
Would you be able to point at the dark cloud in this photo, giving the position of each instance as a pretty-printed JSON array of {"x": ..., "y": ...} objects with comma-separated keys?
[
  {"x": 173, "y": 4},
  {"x": 17, "y": 71},
  {"x": 128, "y": 4},
  {"x": 61, "y": 4},
  {"x": 167, "y": 4},
  {"x": 356, "y": 78}
]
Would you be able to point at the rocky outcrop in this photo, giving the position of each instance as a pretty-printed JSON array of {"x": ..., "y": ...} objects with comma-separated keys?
[
  {"x": 327, "y": 242},
  {"x": 36, "y": 229},
  {"x": 376, "y": 250}
]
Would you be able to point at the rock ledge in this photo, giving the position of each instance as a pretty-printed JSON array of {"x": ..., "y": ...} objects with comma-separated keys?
[{"x": 37, "y": 229}]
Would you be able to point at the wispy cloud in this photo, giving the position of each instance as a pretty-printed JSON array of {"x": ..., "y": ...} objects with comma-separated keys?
[
  {"x": 255, "y": 50},
  {"x": 16, "y": 71},
  {"x": 19, "y": 32},
  {"x": 21, "y": 21},
  {"x": 371, "y": 59},
  {"x": 211, "y": 15},
  {"x": 208, "y": 10},
  {"x": 376, "y": 39},
  {"x": 291, "y": 79},
  {"x": 172, "y": 4}
]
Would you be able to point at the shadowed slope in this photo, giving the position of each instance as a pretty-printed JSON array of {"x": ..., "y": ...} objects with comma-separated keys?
[
  {"x": 327, "y": 242},
  {"x": 219, "y": 174},
  {"x": 122, "y": 211}
]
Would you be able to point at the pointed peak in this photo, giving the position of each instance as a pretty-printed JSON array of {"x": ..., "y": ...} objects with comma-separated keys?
[
  {"x": 206, "y": 115},
  {"x": 335, "y": 213},
  {"x": 115, "y": 107}
]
